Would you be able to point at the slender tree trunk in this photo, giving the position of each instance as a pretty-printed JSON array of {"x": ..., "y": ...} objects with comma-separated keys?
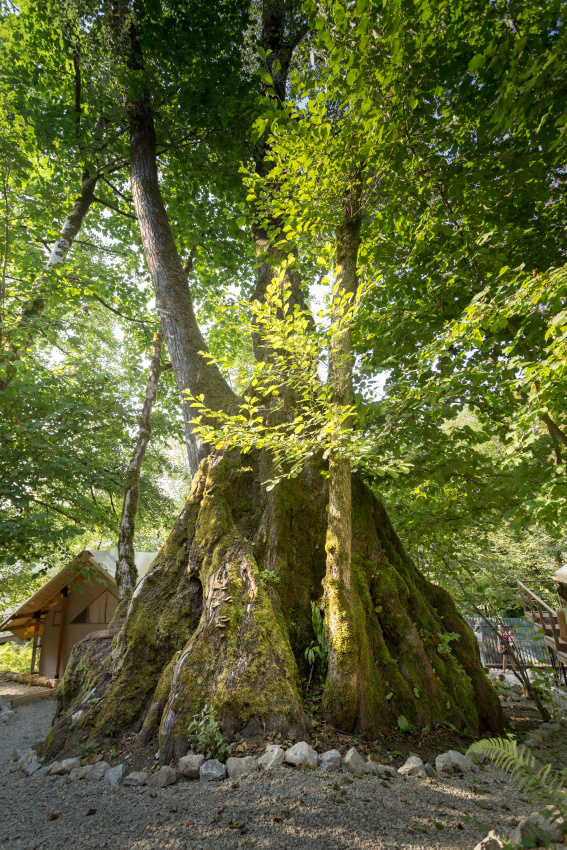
[
  {"x": 126, "y": 573},
  {"x": 279, "y": 44},
  {"x": 340, "y": 698},
  {"x": 185, "y": 344},
  {"x": 24, "y": 333}
]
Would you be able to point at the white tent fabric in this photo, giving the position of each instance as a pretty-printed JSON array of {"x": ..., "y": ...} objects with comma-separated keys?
[{"x": 107, "y": 558}]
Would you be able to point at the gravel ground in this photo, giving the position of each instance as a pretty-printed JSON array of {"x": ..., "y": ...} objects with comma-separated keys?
[
  {"x": 14, "y": 689},
  {"x": 284, "y": 809}
]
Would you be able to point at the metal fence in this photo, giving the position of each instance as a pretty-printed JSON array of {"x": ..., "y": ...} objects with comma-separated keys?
[{"x": 530, "y": 645}]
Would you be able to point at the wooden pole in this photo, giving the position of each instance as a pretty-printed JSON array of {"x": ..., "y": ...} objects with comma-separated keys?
[
  {"x": 35, "y": 636},
  {"x": 64, "y": 594}
]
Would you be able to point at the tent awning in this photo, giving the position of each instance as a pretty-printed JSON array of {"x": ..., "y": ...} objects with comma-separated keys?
[
  {"x": 22, "y": 621},
  {"x": 96, "y": 566}
]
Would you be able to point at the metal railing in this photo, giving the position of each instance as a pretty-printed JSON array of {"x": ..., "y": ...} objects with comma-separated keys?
[{"x": 529, "y": 642}]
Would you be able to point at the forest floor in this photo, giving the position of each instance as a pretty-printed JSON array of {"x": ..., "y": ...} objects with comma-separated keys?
[{"x": 284, "y": 809}]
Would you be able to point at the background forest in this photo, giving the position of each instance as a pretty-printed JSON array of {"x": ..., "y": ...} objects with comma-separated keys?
[{"x": 452, "y": 118}]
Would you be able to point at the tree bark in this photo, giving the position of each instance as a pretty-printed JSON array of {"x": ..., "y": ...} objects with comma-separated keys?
[
  {"x": 340, "y": 698},
  {"x": 126, "y": 573},
  {"x": 185, "y": 343}
]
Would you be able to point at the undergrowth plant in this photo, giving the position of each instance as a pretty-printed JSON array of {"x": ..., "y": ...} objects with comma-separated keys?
[
  {"x": 205, "y": 736},
  {"x": 17, "y": 659},
  {"x": 317, "y": 649},
  {"x": 544, "y": 787}
]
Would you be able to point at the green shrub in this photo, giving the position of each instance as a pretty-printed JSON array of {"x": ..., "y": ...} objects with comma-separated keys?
[
  {"x": 317, "y": 650},
  {"x": 16, "y": 658},
  {"x": 204, "y": 735}
]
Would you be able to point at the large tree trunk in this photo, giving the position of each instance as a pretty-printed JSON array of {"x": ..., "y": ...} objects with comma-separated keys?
[
  {"x": 224, "y": 616},
  {"x": 185, "y": 344}
]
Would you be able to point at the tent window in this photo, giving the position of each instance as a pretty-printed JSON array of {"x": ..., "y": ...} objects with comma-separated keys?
[{"x": 99, "y": 612}]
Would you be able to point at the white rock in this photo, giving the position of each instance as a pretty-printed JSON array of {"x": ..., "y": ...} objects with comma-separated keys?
[
  {"x": 190, "y": 765},
  {"x": 99, "y": 770},
  {"x": 551, "y": 829},
  {"x": 31, "y": 766},
  {"x": 7, "y": 716},
  {"x": 331, "y": 760},
  {"x": 273, "y": 757},
  {"x": 490, "y": 842},
  {"x": 137, "y": 778},
  {"x": 66, "y": 766},
  {"x": 524, "y": 835},
  {"x": 301, "y": 754},
  {"x": 165, "y": 776},
  {"x": 381, "y": 770},
  {"x": 22, "y": 759},
  {"x": 80, "y": 772},
  {"x": 212, "y": 770},
  {"x": 412, "y": 767},
  {"x": 237, "y": 767},
  {"x": 443, "y": 763},
  {"x": 460, "y": 762},
  {"x": 354, "y": 762},
  {"x": 115, "y": 776}
]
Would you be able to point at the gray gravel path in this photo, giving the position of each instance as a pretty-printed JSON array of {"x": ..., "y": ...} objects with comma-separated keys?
[{"x": 288, "y": 808}]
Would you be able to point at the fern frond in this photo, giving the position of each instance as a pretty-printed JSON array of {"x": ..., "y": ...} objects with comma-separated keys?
[{"x": 540, "y": 784}]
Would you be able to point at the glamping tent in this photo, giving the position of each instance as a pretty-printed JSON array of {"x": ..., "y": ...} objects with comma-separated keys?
[{"x": 80, "y": 599}]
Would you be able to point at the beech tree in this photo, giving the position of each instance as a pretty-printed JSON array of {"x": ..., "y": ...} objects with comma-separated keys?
[{"x": 224, "y": 615}]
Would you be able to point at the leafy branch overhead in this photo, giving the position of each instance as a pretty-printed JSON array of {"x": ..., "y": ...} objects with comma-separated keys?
[{"x": 287, "y": 407}]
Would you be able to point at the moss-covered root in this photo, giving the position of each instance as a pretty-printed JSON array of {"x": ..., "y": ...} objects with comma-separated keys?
[
  {"x": 239, "y": 659},
  {"x": 417, "y": 655}
]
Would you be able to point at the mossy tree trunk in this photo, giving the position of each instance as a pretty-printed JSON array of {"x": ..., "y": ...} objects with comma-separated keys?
[
  {"x": 340, "y": 698},
  {"x": 224, "y": 617}
]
